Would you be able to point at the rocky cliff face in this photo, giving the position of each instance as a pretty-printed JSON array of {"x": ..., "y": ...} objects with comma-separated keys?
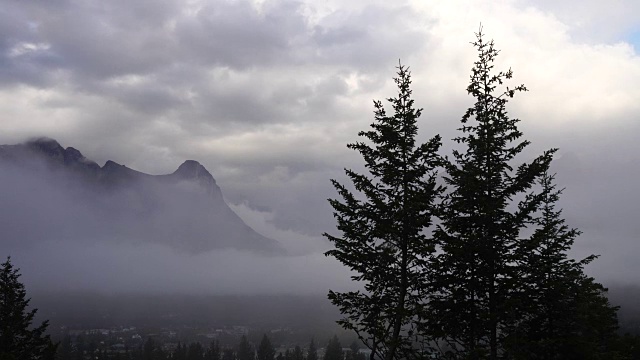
[{"x": 184, "y": 210}]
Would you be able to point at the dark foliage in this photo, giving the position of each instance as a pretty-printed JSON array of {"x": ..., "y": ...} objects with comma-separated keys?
[
  {"x": 482, "y": 287},
  {"x": 265, "y": 349},
  {"x": 245, "y": 350},
  {"x": 477, "y": 272},
  {"x": 334, "y": 350},
  {"x": 382, "y": 227},
  {"x": 313, "y": 352},
  {"x": 564, "y": 313},
  {"x": 18, "y": 340}
]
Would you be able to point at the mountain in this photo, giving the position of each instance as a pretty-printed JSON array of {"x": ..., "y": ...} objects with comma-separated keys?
[{"x": 50, "y": 192}]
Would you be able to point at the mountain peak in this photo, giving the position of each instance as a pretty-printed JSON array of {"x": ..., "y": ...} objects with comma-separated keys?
[
  {"x": 47, "y": 146},
  {"x": 123, "y": 203},
  {"x": 193, "y": 170}
]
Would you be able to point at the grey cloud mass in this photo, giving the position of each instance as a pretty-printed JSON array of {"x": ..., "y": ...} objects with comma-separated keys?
[{"x": 267, "y": 93}]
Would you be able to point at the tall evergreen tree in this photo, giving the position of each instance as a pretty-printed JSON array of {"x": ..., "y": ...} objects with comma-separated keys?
[
  {"x": 334, "y": 350},
  {"x": 245, "y": 350},
  {"x": 383, "y": 239},
  {"x": 195, "y": 351},
  {"x": 566, "y": 314},
  {"x": 65, "y": 349},
  {"x": 312, "y": 354},
  {"x": 297, "y": 353},
  {"x": 482, "y": 221},
  {"x": 228, "y": 354},
  {"x": 152, "y": 351},
  {"x": 18, "y": 341},
  {"x": 149, "y": 349},
  {"x": 265, "y": 349},
  {"x": 213, "y": 352},
  {"x": 80, "y": 347}
]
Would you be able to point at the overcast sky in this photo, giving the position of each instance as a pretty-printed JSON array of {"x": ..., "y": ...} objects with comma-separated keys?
[{"x": 266, "y": 94}]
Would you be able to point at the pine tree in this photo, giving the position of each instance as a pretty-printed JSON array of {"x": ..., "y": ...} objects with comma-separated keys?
[
  {"x": 65, "y": 349},
  {"x": 354, "y": 353},
  {"x": 265, "y": 349},
  {"x": 181, "y": 352},
  {"x": 382, "y": 227},
  {"x": 245, "y": 350},
  {"x": 297, "y": 353},
  {"x": 195, "y": 351},
  {"x": 334, "y": 350},
  {"x": 79, "y": 348},
  {"x": 228, "y": 354},
  {"x": 482, "y": 221},
  {"x": 152, "y": 351},
  {"x": 149, "y": 349},
  {"x": 213, "y": 352},
  {"x": 17, "y": 340},
  {"x": 567, "y": 315},
  {"x": 312, "y": 354}
]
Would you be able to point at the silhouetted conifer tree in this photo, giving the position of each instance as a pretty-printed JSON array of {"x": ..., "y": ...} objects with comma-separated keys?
[
  {"x": 195, "y": 351},
  {"x": 312, "y": 354},
  {"x": 334, "y": 350},
  {"x": 297, "y": 353},
  {"x": 482, "y": 220},
  {"x": 354, "y": 353},
  {"x": 18, "y": 341},
  {"x": 383, "y": 239},
  {"x": 228, "y": 354},
  {"x": 565, "y": 314},
  {"x": 245, "y": 350},
  {"x": 213, "y": 352},
  {"x": 65, "y": 349},
  {"x": 265, "y": 349}
]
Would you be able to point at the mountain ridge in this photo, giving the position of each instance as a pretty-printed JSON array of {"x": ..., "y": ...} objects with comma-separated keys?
[{"x": 179, "y": 209}]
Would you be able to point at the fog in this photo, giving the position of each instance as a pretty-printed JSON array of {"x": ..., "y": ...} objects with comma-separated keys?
[{"x": 67, "y": 234}]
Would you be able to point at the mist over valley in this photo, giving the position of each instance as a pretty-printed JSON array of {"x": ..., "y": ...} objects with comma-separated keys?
[{"x": 73, "y": 225}]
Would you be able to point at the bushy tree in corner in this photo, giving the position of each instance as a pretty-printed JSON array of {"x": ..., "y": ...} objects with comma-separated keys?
[
  {"x": 18, "y": 341},
  {"x": 383, "y": 225}
]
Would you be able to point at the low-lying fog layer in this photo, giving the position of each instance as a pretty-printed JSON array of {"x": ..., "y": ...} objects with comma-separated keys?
[{"x": 65, "y": 234}]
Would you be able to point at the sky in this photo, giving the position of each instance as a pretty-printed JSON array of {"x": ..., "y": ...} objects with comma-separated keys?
[{"x": 266, "y": 95}]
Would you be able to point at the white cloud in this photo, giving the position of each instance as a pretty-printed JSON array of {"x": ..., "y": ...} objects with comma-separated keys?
[
  {"x": 25, "y": 48},
  {"x": 295, "y": 243}
]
